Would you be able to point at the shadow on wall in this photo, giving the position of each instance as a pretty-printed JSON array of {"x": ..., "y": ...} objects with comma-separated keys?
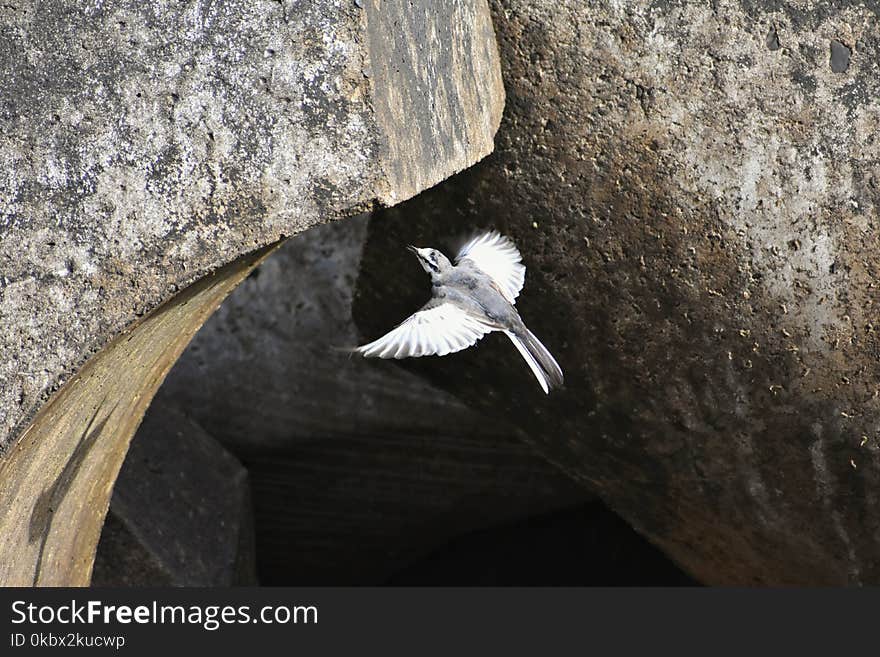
[
  {"x": 358, "y": 469},
  {"x": 581, "y": 546},
  {"x": 701, "y": 261}
]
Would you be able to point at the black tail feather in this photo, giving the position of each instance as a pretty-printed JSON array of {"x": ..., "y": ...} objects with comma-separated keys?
[
  {"x": 540, "y": 361},
  {"x": 545, "y": 359}
]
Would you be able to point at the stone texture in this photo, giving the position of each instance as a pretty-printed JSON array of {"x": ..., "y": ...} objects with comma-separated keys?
[
  {"x": 356, "y": 466},
  {"x": 55, "y": 482},
  {"x": 144, "y": 147},
  {"x": 186, "y": 503},
  {"x": 696, "y": 203}
]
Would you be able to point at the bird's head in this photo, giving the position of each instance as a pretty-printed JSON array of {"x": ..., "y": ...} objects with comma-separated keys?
[{"x": 433, "y": 261}]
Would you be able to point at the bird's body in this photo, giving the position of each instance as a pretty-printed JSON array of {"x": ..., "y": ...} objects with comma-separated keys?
[
  {"x": 470, "y": 288},
  {"x": 472, "y": 297}
]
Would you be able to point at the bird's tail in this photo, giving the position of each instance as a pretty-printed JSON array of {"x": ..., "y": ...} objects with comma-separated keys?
[{"x": 541, "y": 362}]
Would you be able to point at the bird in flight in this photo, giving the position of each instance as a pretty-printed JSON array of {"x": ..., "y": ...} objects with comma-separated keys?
[{"x": 471, "y": 298}]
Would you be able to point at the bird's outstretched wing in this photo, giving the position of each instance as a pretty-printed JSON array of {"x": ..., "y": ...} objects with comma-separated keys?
[
  {"x": 438, "y": 328},
  {"x": 498, "y": 257}
]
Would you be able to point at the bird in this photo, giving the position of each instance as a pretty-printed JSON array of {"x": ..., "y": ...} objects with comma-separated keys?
[{"x": 472, "y": 297}]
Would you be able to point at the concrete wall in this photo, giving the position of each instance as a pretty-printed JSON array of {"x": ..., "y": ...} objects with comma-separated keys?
[
  {"x": 152, "y": 148},
  {"x": 693, "y": 187}
]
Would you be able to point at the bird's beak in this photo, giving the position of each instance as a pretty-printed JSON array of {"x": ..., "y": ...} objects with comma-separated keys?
[{"x": 410, "y": 247}]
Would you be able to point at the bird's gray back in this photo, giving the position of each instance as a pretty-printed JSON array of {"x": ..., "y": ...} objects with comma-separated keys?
[{"x": 469, "y": 287}]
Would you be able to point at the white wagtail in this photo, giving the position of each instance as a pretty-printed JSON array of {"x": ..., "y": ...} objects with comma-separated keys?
[{"x": 471, "y": 298}]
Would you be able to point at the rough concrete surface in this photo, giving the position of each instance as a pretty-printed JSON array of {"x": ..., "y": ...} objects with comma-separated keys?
[
  {"x": 694, "y": 189},
  {"x": 55, "y": 482},
  {"x": 143, "y": 145}
]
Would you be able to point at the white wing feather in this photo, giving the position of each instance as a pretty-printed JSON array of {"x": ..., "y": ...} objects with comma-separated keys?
[
  {"x": 441, "y": 329},
  {"x": 497, "y": 256}
]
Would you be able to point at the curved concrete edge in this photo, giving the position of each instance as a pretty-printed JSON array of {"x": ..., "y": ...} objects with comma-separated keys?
[
  {"x": 465, "y": 108},
  {"x": 113, "y": 201},
  {"x": 55, "y": 483},
  {"x": 64, "y": 451},
  {"x": 330, "y": 112}
]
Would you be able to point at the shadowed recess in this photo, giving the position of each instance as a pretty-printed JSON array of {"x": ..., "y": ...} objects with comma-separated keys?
[{"x": 55, "y": 482}]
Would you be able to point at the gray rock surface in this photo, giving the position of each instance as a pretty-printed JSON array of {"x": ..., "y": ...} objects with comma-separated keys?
[
  {"x": 694, "y": 189},
  {"x": 143, "y": 145},
  {"x": 181, "y": 508},
  {"x": 356, "y": 466},
  {"x": 152, "y": 155}
]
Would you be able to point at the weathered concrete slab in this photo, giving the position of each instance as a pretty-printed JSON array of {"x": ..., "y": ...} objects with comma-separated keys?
[
  {"x": 183, "y": 510},
  {"x": 694, "y": 189},
  {"x": 143, "y": 146},
  {"x": 55, "y": 482}
]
